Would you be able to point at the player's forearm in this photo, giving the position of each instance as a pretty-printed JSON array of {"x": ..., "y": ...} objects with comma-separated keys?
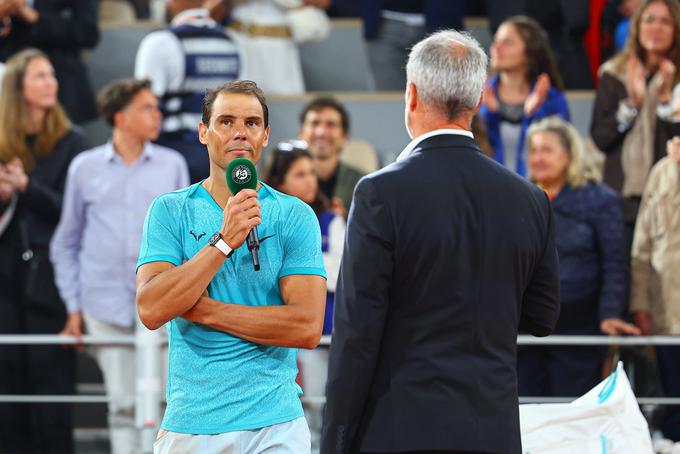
[
  {"x": 281, "y": 326},
  {"x": 176, "y": 290}
]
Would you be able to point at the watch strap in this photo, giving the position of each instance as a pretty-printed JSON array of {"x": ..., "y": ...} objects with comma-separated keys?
[{"x": 224, "y": 247}]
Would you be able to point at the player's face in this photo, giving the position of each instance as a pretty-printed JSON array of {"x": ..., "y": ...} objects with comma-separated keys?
[{"x": 236, "y": 129}]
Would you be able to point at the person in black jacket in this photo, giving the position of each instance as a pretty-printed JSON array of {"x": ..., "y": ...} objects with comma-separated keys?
[
  {"x": 589, "y": 239},
  {"x": 62, "y": 29},
  {"x": 447, "y": 254},
  {"x": 37, "y": 143}
]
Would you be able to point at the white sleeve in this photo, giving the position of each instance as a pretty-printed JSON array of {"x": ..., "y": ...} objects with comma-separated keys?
[
  {"x": 333, "y": 257},
  {"x": 157, "y": 60}
]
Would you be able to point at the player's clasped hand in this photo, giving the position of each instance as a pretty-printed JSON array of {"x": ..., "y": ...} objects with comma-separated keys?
[{"x": 241, "y": 214}]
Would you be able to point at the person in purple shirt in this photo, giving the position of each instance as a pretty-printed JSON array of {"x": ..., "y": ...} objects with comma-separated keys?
[{"x": 95, "y": 247}]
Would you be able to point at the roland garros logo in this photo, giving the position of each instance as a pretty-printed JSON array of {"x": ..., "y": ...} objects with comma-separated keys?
[{"x": 240, "y": 174}]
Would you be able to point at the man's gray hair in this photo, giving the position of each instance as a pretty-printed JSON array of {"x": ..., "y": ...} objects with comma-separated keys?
[{"x": 448, "y": 69}]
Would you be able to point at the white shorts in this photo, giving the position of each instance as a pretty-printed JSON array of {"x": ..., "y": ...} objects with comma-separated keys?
[{"x": 290, "y": 437}]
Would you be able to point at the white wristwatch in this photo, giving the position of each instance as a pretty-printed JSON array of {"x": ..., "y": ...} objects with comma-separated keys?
[{"x": 217, "y": 241}]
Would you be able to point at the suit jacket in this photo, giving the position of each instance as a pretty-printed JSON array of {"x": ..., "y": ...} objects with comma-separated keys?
[
  {"x": 63, "y": 30},
  {"x": 447, "y": 254}
]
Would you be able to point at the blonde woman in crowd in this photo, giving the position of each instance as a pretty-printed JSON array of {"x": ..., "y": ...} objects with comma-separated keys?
[
  {"x": 37, "y": 143},
  {"x": 589, "y": 239},
  {"x": 655, "y": 283},
  {"x": 632, "y": 110}
]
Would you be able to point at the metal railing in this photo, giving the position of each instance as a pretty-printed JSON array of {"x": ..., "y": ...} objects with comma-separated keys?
[{"x": 148, "y": 345}]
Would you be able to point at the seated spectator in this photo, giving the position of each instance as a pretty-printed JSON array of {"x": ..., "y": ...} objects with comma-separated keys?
[
  {"x": 632, "y": 110},
  {"x": 655, "y": 291},
  {"x": 392, "y": 27},
  {"x": 269, "y": 32},
  {"x": 527, "y": 87},
  {"x": 108, "y": 192},
  {"x": 192, "y": 55},
  {"x": 324, "y": 125},
  {"x": 62, "y": 29},
  {"x": 291, "y": 171},
  {"x": 589, "y": 240},
  {"x": 37, "y": 143}
]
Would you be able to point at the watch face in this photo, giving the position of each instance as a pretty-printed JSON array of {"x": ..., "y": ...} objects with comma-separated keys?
[{"x": 214, "y": 238}]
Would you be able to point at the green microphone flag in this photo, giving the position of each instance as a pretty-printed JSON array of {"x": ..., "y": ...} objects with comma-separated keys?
[{"x": 241, "y": 174}]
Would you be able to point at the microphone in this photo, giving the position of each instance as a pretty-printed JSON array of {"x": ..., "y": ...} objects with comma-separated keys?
[{"x": 241, "y": 174}]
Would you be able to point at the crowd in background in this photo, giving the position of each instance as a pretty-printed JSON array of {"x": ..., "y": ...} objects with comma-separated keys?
[{"x": 615, "y": 194}]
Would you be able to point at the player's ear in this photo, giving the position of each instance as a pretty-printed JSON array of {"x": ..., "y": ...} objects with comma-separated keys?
[{"x": 203, "y": 133}]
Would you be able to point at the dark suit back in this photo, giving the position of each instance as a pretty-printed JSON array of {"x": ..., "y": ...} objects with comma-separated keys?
[{"x": 447, "y": 254}]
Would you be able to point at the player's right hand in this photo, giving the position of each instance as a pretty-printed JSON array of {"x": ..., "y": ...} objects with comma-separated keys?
[{"x": 240, "y": 216}]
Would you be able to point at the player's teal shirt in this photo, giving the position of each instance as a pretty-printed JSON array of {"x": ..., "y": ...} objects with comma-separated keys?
[{"x": 218, "y": 382}]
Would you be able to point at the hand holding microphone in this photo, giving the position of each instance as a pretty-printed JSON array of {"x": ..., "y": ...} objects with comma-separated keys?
[{"x": 242, "y": 213}]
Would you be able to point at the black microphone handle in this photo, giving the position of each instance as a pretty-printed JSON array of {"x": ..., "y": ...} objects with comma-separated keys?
[{"x": 253, "y": 242}]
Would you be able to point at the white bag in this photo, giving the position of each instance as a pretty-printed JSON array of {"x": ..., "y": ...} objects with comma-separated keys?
[{"x": 606, "y": 420}]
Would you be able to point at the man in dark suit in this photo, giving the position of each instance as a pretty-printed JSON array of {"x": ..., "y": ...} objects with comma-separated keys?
[{"x": 447, "y": 255}]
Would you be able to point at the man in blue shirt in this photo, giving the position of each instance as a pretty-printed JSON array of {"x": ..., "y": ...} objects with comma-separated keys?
[
  {"x": 96, "y": 244},
  {"x": 232, "y": 331}
]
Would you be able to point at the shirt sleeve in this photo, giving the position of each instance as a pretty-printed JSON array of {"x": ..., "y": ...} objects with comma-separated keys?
[
  {"x": 155, "y": 61},
  {"x": 160, "y": 238},
  {"x": 641, "y": 271},
  {"x": 301, "y": 240},
  {"x": 67, "y": 240},
  {"x": 609, "y": 230}
]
